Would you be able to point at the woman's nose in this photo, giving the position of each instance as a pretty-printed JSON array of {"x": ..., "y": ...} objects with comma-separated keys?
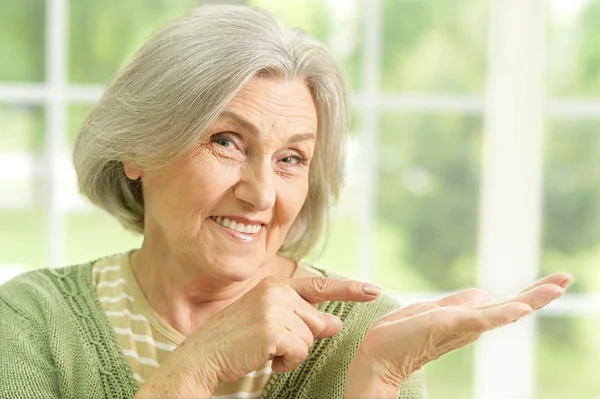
[{"x": 257, "y": 185}]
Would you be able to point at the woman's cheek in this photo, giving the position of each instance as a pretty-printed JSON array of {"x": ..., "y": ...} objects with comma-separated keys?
[{"x": 293, "y": 194}]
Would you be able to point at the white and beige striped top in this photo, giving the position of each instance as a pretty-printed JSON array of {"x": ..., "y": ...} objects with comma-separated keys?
[{"x": 145, "y": 338}]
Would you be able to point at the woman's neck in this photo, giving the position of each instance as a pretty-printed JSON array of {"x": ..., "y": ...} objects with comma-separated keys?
[{"x": 185, "y": 296}]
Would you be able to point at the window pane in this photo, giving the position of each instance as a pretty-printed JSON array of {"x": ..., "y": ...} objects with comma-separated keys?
[
  {"x": 574, "y": 48},
  {"x": 567, "y": 358},
  {"x": 451, "y": 376},
  {"x": 104, "y": 34},
  {"x": 22, "y": 128},
  {"x": 21, "y": 157},
  {"x": 427, "y": 207},
  {"x": 335, "y": 23},
  {"x": 571, "y": 224},
  {"x": 93, "y": 234},
  {"x": 22, "y": 25},
  {"x": 432, "y": 45},
  {"x": 22, "y": 220},
  {"x": 342, "y": 240},
  {"x": 23, "y": 237},
  {"x": 76, "y": 115},
  {"x": 340, "y": 252}
]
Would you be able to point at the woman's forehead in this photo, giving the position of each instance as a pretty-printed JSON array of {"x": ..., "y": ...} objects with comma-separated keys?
[{"x": 266, "y": 102}]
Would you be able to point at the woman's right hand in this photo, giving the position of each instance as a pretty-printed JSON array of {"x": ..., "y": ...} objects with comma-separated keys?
[{"x": 275, "y": 320}]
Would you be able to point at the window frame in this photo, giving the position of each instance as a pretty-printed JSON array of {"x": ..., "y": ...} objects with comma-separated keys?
[{"x": 56, "y": 94}]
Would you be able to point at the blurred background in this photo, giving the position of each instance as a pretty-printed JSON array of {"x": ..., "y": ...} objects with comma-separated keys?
[{"x": 474, "y": 159}]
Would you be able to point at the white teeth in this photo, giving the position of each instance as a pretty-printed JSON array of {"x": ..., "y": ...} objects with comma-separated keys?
[{"x": 248, "y": 229}]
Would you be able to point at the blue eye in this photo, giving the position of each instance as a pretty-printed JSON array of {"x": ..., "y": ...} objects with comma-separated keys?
[
  {"x": 292, "y": 160},
  {"x": 225, "y": 139},
  {"x": 224, "y": 142}
]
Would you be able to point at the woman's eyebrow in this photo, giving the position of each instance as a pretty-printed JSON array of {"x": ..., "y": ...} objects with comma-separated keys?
[
  {"x": 247, "y": 125},
  {"x": 240, "y": 120},
  {"x": 296, "y": 138}
]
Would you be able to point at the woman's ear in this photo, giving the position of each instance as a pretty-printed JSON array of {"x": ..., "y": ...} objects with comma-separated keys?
[{"x": 131, "y": 171}]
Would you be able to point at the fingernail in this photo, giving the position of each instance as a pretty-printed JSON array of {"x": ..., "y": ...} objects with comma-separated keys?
[
  {"x": 371, "y": 289},
  {"x": 566, "y": 282}
]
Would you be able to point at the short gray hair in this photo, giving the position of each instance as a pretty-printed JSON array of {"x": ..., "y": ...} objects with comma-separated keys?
[{"x": 177, "y": 85}]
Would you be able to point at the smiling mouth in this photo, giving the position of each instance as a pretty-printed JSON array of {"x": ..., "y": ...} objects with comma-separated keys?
[{"x": 239, "y": 227}]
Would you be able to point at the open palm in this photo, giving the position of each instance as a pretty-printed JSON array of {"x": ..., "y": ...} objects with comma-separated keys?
[{"x": 404, "y": 340}]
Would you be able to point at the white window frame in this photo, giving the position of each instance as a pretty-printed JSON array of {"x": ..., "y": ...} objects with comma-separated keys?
[{"x": 502, "y": 252}]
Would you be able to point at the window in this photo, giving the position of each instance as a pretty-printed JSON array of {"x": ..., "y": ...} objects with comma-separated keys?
[{"x": 473, "y": 158}]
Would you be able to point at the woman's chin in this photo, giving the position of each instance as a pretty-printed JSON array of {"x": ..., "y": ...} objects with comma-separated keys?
[{"x": 236, "y": 270}]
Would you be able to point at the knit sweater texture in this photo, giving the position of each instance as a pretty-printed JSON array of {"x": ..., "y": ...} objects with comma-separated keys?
[{"x": 56, "y": 342}]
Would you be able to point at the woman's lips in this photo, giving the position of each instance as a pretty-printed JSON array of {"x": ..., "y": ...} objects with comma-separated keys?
[{"x": 239, "y": 231}]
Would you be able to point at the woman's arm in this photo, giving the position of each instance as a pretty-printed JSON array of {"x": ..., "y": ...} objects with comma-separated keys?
[{"x": 27, "y": 369}]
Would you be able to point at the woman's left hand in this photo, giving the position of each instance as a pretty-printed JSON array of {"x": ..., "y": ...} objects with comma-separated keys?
[{"x": 404, "y": 340}]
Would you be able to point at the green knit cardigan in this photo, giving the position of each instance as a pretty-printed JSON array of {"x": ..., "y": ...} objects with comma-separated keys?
[{"x": 56, "y": 342}]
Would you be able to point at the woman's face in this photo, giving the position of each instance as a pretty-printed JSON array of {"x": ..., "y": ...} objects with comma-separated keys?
[{"x": 227, "y": 205}]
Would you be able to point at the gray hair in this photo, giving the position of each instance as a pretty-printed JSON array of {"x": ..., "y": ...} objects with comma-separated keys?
[{"x": 177, "y": 85}]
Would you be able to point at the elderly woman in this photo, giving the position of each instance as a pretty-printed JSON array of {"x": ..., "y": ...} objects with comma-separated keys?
[{"x": 222, "y": 143}]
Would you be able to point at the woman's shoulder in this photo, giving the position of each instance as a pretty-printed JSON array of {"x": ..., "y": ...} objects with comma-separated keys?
[
  {"x": 40, "y": 280},
  {"x": 39, "y": 291},
  {"x": 36, "y": 291}
]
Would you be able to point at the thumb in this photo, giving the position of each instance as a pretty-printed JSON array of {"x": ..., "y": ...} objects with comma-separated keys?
[
  {"x": 334, "y": 325},
  {"x": 322, "y": 289}
]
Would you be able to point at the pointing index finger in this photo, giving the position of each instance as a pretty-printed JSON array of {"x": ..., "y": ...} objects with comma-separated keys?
[{"x": 321, "y": 289}]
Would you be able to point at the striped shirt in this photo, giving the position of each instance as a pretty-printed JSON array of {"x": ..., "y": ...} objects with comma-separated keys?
[{"x": 145, "y": 338}]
